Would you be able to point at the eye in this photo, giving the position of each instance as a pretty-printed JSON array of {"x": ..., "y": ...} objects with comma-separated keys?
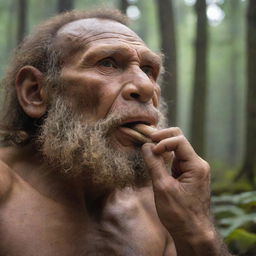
[
  {"x": 108, "y": 63},
  {"x": 148, "y": 70}
]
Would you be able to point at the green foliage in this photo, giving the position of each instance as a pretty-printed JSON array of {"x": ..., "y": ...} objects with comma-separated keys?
[
  {"x": 242, "y": 242},
  {"x": 236, "y": 220}
]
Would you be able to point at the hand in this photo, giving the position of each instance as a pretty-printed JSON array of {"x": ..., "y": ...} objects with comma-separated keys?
[{"x": 183, "y": 199}]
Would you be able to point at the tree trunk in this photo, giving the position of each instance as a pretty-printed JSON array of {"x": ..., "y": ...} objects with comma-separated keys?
[
  {"x": 123, "y": 6},
  {"x": 199, "y": 97},
  {"x": 168, "y": 46},
  {"x": 65, "y": 5},
  {"x": 249, "y": 165},
  {"x": 22, "y": 20},
  {"x": 233, "y": 83}
]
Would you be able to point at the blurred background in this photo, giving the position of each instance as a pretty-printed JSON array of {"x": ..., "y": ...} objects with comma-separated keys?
[{"x": 209, "y": 86}]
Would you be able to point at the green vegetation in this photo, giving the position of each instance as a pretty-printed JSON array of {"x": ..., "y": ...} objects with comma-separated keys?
[{"x": 235, "y": 216}]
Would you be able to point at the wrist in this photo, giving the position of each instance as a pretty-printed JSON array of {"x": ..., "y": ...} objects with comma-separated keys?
[
  {"x": 198, "y": 239},
  {"x": 194, "y": 229}
]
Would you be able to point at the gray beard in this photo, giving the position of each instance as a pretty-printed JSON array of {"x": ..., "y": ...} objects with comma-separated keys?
[{"x": 83, "y": 149}]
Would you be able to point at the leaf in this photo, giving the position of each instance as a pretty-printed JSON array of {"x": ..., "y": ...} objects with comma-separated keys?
[
  {"x": 224, "y": 211},
  {"x": 228, "y": 225},
  {"x": 238, "y": 199}
]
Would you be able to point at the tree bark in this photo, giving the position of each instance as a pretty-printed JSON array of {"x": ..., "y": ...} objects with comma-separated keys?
[
  {"x": 249, "y": 164},
  {"x": 168, "y": 47},
  {"x": 124, "y": 5},
  {"x": 22, "y": 20},
  {"x": 65, "y": 5},
  {"x": 199, "y": 97}
]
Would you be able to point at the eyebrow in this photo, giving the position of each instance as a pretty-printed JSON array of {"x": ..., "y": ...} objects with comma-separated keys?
[{"x": 106, "y": 50}]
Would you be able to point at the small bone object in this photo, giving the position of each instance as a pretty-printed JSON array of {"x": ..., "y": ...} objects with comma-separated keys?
[
  {"x": 136, "y": 135},
  {"x": 146, "y": 130}
]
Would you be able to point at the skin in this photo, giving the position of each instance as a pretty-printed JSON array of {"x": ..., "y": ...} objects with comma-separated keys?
[{"x": 43, "y": 213}]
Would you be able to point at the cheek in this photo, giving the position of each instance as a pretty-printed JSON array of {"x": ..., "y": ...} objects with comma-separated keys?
[
  {"x": 84, "y": 92},
  {"x": 91, "y": 92},
  {"x": 88, "y": 98}
]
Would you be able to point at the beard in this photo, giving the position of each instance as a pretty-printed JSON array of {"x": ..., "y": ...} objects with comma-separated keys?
[{"x": 78, "y": 147}]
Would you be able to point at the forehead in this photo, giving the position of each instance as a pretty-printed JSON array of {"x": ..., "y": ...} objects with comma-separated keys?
[
  {"x": 91, "y": 27},
  {"x": 86, "y": 33}
]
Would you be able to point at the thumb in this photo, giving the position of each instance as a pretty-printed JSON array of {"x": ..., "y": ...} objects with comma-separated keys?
[{"x": 155, "y": 164}]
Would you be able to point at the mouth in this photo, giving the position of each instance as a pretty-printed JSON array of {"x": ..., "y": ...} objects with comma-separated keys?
[{"x": 137, "y": 132}]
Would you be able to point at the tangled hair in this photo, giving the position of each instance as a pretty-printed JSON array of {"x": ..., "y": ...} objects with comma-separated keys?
[{"x": 40, "y": 51}]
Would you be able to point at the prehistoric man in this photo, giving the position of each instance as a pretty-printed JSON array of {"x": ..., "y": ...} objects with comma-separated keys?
[{"x": 76, "y": 177}]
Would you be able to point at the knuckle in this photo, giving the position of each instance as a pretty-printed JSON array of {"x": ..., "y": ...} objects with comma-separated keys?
[
  {"x": 182, "y": 139},
  {"x": 163, "y": 186},
  {"x": 177, "y": 131},
  {"x": 205, "y": 168}
]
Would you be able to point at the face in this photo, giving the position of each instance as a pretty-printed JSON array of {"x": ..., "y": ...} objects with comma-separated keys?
[
  {"x": 109, "y": 83},
  {"x": 113, "y": 72}
]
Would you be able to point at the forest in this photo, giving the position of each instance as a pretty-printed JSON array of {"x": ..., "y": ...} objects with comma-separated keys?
[{"x": 209, "y": 85}]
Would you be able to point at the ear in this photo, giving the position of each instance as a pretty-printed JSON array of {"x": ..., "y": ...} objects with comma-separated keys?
[{"x": 30, "y": 91}]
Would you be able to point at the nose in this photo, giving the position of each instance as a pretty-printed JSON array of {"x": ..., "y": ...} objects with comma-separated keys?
[{"x": 139, "y": 86}]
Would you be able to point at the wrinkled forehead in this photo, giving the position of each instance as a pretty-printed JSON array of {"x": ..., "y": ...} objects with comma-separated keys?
[{"x": 88, "y": 30}]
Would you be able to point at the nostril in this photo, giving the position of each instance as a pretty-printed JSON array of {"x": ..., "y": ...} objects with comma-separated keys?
[{"x": 135, "y": 95}]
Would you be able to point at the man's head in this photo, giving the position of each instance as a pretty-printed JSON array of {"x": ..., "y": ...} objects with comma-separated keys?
[
  {"x": 74, "y": 91},
  {"x": 40, "y": 51}
]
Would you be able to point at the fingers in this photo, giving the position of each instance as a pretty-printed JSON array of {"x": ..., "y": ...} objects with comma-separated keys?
[
  {"x": 185, "y": 159},
  {"x": 179, "y": 144},
  {"x": 166, "y": 133},
  {"x": 155, "y": 164}
]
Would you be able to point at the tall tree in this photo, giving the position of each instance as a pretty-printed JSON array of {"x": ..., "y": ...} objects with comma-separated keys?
[
  {"x": 199, "y": 97},
  {"x": 168, "y": 47},
  {"x": 65, "y": 5},
  {"x": 233, "y": 32},
  {"x": 123, "y": 5},
  {"x": 22, "y": 20},
  {"x": 249, "y": 165}
]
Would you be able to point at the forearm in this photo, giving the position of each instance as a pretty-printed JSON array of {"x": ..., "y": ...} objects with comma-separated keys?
[{"x": 199, "y": 243}]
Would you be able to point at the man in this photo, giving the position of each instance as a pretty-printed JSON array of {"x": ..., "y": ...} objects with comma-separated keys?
[{"x": 76, "y": 178}]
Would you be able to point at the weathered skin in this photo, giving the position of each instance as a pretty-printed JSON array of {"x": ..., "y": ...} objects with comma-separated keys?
[
  {"x": 44, "y": 214},
  {"x": 35, "y": 222}
]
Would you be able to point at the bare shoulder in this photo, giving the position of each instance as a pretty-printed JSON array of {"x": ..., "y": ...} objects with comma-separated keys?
[{"x": 6, "y": 178}]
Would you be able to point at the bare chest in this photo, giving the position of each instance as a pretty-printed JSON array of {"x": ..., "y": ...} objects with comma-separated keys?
[{"x": 31, "y": 227}]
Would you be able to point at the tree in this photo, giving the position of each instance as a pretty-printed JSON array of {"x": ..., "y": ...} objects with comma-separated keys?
[
  {"x": 233, "y": 32},
  {"x": 249, "y": 163},
  {"x": 65, "y": 5},
  {"x": 199, "y": 97},
  {"x": 124, "y": 5},
  {"x": 22, "y": 20},
  {"x": 168, "y": 47}
]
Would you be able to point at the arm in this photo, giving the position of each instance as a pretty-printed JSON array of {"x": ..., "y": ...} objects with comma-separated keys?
[{"x": 183, "y": 199}]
